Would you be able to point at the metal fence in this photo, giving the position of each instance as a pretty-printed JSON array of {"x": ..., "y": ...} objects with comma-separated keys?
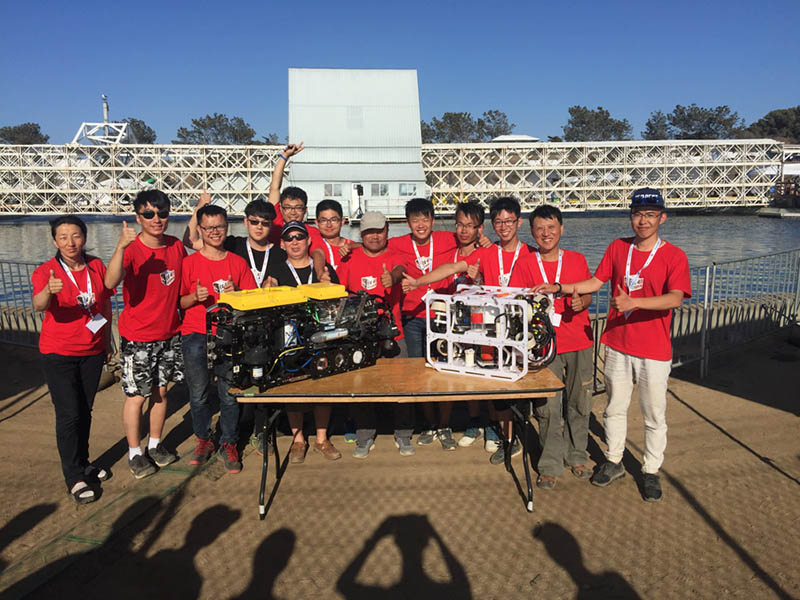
[{"x": 732, "y": 303}]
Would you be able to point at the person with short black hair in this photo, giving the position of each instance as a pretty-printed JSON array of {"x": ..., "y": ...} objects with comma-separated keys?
[
  {"x": 74, "y": 342},
  {"x": 330, "y": 219},
  {"x": 206, "y": 274},
  {"x": 149, "y": 267},
  {"x": 650, "y": 278}
]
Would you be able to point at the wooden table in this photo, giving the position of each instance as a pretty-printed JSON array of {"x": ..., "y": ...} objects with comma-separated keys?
[{"x": 402, "y": 380}]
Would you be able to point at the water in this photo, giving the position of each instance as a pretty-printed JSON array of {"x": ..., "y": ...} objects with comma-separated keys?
[{"x": 705, "y": 239}]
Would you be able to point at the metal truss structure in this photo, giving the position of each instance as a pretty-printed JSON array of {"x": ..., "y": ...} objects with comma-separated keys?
[{"x": 51, "y": 179}]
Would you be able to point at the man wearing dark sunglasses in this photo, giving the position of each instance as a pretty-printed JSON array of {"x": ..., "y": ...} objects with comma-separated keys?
[
  {"x": 649, "y": 278},
  {"x": 149, "y": 267}
]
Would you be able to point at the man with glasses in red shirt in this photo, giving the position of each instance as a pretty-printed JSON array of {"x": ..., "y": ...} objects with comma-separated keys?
[
  {"x": 649, "y": 278},
  {"x": 149, "y": 267}
]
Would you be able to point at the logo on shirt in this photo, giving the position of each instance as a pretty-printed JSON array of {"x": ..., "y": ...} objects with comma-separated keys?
[
  {"x": 219, "y": 285},
  {"x": 369, "y": 283},
  {"x": 85, "y": 300},
  {"x": 167, "y": 277}
]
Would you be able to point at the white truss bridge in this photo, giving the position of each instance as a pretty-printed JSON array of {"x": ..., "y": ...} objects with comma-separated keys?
[{"x": 50, "y": 179}]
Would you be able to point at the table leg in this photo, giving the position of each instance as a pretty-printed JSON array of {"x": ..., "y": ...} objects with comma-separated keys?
[
  {"x": 270, "y": 437},
  {"x": 522, "y": 422}
]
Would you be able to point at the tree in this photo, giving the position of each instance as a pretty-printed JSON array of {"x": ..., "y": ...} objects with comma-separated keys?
[
  {"x": 217, "y": 129},
  {"x": 554, "y": 138},
  {"x": 587, "y": 125},
  {"x": 782, "y": 124},
  {"x": 699, "y": 123},
  {"x": 492, "y": 124},
  {"x": 271, "y": 139},
  {"x": 462, "y": 128},
  {"x": 25, "y": 133},
  {"x": 142, "y": 131},
  {"x": 657, "y": 127}
]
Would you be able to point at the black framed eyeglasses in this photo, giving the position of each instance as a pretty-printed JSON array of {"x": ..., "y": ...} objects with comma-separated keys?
[{"x": 149, "y": 214}]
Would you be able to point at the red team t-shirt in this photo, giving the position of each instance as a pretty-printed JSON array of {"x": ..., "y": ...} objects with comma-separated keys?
[
  {"x": 444, "y": 244},
  {"x": 362, "y": 272},
  {"x": 64, "y": 328},
  {"x": 330, "y": 251},
  {"x": 645, "y": 333},
  {"x": 575, "y": 332},
  {"x": 490, "y": 267},
  {"x": 197, "y": 267},
  {"x": 151, "y": 291}
]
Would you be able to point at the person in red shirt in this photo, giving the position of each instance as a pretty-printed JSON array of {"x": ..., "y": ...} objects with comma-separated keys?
[
  {"x": 375, "y": 269},
  {"x": 149, "y": 267},
  {"x": 564, "y": 418},
  {"x": 650, "y": 278},
  {"x": 330, "y": 218},
  {"x": 74, "y": 343},
  {"x": 206, "y": 274},
  {"x": 491, "y": 266}
]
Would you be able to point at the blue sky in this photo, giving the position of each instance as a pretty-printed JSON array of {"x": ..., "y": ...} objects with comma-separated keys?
[{"x": 166, "y": 62}]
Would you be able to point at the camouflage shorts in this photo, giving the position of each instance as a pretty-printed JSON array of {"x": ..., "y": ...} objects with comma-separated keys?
[{"x": 145, "y": 364}]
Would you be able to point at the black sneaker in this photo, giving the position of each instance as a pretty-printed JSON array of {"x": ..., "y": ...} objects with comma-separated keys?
[
  {"x": 141, "y": 466},
  {"x": 499, "y": 457},
  {"x": 652, "y": 487},
  {"x": 445, "y": 435},
  {"x": 230, "y": 457},
  {"x": 160, "y": 455},
  {"x": 607, "y": 473}
]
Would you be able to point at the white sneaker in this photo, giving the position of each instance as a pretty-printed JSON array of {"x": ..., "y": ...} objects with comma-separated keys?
[
  {"x": 470, "y": 436},
  {"x": 492, "y": 446}
]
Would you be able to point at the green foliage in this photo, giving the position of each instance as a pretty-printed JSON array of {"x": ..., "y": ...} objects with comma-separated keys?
[
  {"x": 657, "y": 127},
  {"x": 142, "y": 131},
  {"x": 25, "y": 133},
  {"x": 588, "y": 125},
  {"x": 699, "y": 123},
  {"x": 782, "y": 124},
  {"x": 462, "y": 128},
  {"x": 270, "y": 139},
  {"x": 217, "y": 129}
]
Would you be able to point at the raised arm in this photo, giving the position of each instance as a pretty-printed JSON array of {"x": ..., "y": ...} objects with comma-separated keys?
[
  {"x": 115, "y": 271},
  {"x": 622, "y": 302},
  {"x": 441, "y": 272},
  {"x": 190, "y": 237},
  {"x": 277, "y": 174},
  {"x": 42, "y": 300},
  {"x": 588, "y": 286}
]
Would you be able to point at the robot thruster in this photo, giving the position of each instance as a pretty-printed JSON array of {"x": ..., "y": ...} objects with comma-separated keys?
[
  {"x": 270, "y": 336},
  {"x": 489, "y": 331}
]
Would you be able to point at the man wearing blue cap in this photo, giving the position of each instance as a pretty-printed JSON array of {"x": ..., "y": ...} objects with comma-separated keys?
[{"x": 649, "y": 277}]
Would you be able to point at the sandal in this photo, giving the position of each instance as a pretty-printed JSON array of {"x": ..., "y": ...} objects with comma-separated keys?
[
  {"x": 82, "y": 493},
  {"x": 98, "y": 473},
  {"x": 581, "y": 471},
  {"x": 546, "y": 482}
]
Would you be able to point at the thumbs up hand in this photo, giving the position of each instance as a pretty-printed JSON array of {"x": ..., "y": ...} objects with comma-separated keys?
[
  {"x": 345, "y": 249},
  {"x": 409, "y": 283},
  {"x": 576, "y": 302},
  {"x": 270, "y": 282},
  {"x": 326, "y": 275},
  {"x": 386, "y": 278},
  {"x": 127, "y": 236},
  {"x": 54, "y": 284},
  {"x": 200, "y": 292},
  {"x": 622, "y": 302},
  {"x": 228, "y": 287},
  {"x": 474, "y": 271}
]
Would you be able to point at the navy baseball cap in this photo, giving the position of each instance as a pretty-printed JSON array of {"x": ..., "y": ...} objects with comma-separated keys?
[
  {"x": 647, "y": 197},
  {"x": 294, "y": 225}
]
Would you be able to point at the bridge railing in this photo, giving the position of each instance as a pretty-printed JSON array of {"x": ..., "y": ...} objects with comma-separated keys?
[{"x": 49, "y": 179}]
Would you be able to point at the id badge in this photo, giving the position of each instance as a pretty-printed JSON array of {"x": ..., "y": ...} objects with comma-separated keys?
[
  {"x": 634, "y": 282},
  {"x": 96, "y": 323},
  {"x": 504, "y": 279},
  {"x": 555, "y": 318}
]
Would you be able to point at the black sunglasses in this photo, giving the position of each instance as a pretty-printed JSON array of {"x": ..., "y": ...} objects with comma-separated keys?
[
  {"x": 149, "y": 214},
  {"x": 292, "y": 238},
  {"x": 256, "y": 222}
]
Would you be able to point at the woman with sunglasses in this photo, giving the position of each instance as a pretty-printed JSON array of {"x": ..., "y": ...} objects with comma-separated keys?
[
  {"x": 74, "y": 343},
  {"x": 149, "y": 267}
]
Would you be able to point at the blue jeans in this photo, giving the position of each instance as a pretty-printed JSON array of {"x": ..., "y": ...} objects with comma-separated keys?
[
  {"x": 197, "y": 378},
  {"x": 414, "y": 334}
]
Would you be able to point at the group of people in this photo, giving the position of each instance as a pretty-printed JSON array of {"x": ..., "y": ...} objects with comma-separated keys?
[{"x": 167, "y": 285}]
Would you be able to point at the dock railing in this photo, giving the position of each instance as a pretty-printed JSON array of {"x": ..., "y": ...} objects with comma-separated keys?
[{"x": 733, "y": 303}]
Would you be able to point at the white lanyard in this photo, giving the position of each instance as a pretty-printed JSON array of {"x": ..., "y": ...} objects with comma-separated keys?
[
  {"x": 85, "y": 299},
  {"x": 558, "y": 269},
  {"x": 258, "y": 274},
  {"x": 297, "y": 277},
  {"x": 419, "y": 258},
  {"x": 634, "y": 279},
  {"x": 505, "y": 277},
  {"x": 330, "y": 255}
]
